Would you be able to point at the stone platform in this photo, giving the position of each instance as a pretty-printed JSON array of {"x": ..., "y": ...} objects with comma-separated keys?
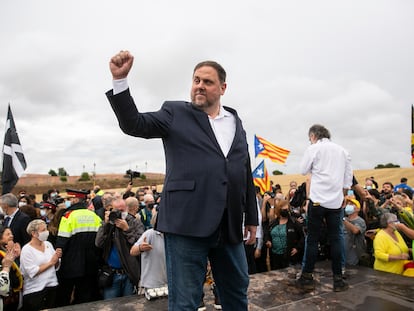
[{"x": 275, "y": 290}]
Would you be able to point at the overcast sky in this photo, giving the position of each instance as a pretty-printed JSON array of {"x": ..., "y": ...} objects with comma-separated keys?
[{"x": 346, "y": 64}]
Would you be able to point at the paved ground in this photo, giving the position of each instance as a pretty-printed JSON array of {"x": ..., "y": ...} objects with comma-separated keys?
[{"x": 275, "y": 290}]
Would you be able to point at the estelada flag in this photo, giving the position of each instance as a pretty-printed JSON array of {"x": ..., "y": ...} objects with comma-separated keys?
[
  {"x": 261, "y": 177},
  {"x": 265, "y": 149}
]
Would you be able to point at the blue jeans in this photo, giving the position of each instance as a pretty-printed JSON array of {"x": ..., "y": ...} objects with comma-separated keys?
[
  {"x": 186, "y": 259},
  {"x": 333, "y": 217},
  {"x": 121, "y": 286}
]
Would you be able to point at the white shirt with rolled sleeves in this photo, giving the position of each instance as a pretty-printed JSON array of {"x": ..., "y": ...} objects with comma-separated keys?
[{"x": 330, "y": 167}]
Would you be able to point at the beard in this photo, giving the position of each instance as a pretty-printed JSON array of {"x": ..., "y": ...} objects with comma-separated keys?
[{"x": 201, "y": 102}]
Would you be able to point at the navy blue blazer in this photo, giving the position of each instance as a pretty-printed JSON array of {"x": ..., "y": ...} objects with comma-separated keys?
[
  {"x": 18, "y": 227},
  {"x": 202, "y": 186}
]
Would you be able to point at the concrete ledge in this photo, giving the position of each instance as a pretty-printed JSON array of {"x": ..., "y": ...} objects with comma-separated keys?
[{"x": 276, "y": 290}]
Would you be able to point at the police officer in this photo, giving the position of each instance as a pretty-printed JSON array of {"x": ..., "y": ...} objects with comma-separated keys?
[{"x": 76, "y": 238}]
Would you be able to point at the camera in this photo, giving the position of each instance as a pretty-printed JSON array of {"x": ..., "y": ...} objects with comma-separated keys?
[
  {"x": 114, "y": 215},
  {"x": 271, "y": 194},
  {"x": 152, "y": 206},
  {"x": 132, "y": 174},
  {"x": 57, "y": 200}
]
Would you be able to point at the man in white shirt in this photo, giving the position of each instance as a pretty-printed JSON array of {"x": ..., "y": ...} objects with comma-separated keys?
[
  {"x": 329, "y": 166},
  {"x": 208, "y": 185}
]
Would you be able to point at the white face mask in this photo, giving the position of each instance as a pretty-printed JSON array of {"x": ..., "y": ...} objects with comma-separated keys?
[
  {"x": 42, "y": 212},
  {"x": 349, "y": 209},
  {"x": 22, "y": 204},
  {"x": 124, "y": 215},
  {"x": 43, "y": 235}
]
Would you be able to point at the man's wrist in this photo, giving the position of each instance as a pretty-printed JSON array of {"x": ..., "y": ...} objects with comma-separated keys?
[{"x": 120, "y": 85}]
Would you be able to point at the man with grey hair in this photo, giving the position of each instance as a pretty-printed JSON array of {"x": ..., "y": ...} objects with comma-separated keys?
[
  {"x": 15, "y": 219},
  {"x": 107, "y": 198},
  {"x": 329, "y": 167}
]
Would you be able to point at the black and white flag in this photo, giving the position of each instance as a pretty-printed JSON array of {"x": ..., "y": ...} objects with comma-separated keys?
[{"x": 14, "y": 162}]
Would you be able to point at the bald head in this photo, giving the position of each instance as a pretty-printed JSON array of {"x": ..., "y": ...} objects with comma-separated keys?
[{"x": 132, "y": 204}]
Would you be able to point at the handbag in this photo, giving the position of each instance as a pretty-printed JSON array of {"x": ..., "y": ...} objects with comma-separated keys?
[
  {"x": 408, "y": 268},
  {"x": 105, "y": 277}
]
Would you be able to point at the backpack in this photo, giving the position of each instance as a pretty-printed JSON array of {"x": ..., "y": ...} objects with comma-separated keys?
[{"x": 299, "y": 197}]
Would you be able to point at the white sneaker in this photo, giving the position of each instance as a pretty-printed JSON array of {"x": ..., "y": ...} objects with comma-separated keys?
[
  {"x": 150, "y": 293},
  {"x": 147, "y": 295}
]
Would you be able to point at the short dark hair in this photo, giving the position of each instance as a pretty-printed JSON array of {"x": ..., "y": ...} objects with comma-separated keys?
[
  {"x": 210, "y": 63},
  {"x": 375, "y": 193},
  {"x": 319, "y": 131},
  {"x": 409, "y": 193},
  {"x": 404, "y": 179}
]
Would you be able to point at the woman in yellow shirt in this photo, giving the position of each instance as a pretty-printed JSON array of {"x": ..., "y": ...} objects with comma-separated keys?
[{"x": 390, "y": 249}]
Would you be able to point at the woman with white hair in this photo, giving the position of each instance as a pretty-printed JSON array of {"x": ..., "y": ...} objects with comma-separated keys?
[
  {"x": 390, "y": 249},
  {"x": 38, "y": 263}
]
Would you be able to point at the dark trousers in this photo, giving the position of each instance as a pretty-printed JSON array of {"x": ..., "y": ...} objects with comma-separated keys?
[
  {"x": 278, "y": 261},
  {"x": 251, "y": 263},
  {"x": 261, "y": 262},
  {"x": 45, "y": 299},
  {"x": 316, "y": 216},
  {"x": 84, "y": 289}
]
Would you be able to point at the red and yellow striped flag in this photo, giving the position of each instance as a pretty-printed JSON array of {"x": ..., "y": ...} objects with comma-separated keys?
[{"x": 265, "y": 149}]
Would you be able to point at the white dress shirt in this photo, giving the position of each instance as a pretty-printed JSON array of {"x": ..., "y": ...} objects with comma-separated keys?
[{"x": 330, "y": 167}]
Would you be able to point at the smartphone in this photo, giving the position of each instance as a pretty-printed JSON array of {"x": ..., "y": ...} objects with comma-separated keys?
[{"x": 350, "y": 192}]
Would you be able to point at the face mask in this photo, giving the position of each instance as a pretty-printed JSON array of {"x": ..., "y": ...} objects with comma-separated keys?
[
  {"x": 22, "y": 204},
  {"x": 43, "y": 212},
  {"x": 349, "y": 209},
  {"x": 68, "y": 204},
  {"x": 369, "y": 187},
  {"x": 124, "y": 215},
  {"x": 284, "y": 213},
  {"x": 43, "y": 235},
  {"x": 53, "y": 194}
]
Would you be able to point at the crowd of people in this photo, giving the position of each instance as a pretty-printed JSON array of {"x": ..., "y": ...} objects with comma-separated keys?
[
  {"x": 377, "y": 228},
  {"x": 79, "y": 247},
  {"x": 84, "y": 246}
]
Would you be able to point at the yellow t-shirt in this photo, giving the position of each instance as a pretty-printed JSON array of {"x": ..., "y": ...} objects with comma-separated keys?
[{"x": 385, "y": 245}]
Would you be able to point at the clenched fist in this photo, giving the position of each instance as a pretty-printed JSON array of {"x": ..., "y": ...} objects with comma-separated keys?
[{"x": 121, "y": 64}]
